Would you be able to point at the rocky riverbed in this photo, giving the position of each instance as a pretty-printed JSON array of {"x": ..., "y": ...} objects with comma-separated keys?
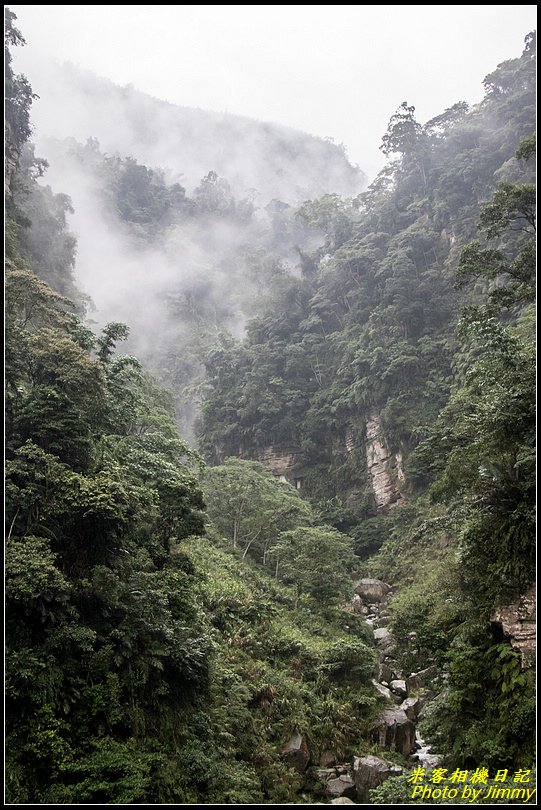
[{"x": 395, "y": 728}]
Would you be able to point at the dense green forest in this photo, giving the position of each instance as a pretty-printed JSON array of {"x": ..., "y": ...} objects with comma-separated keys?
[{"x": 180, "y": 621}]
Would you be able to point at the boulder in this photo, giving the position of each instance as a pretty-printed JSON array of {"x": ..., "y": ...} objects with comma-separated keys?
[
  {"x": 411, "y": 707},
  {"x": 385, "y": 641},
  {"x": 341, "y": 786},
  {"x": 417, "y": 680},
  {"x": 398, "y": 686},
  {"x": 295, "y": 752},
  {"x": 370, "y": 772},
  {"x": 323, "y": 774},
  {"x": 384, "y": 692},
  {"x": 342, "y": 800},
  {"x": 372, "y": 590},
  {"x": 395, "y": 730}
]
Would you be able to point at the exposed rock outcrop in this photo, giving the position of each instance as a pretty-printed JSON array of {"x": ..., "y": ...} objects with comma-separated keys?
[
  {"x": 518, "y": 623},
  {"x": 281, "y": 462},
  {"x": 385, "y": 468},
  {"x": 383, "y": 690}
]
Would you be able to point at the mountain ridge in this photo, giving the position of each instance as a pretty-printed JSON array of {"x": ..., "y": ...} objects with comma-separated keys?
[{"x": 189, "y": 141}]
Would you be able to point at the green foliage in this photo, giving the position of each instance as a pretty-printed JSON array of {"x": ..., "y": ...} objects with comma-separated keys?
[
  {"x": 512, "y": 211},
  {"x": 250, "y": 507},
  {"x": 403, "y": 132},
  {"x": 126, "y": 634},
  {"x": 32, "y": 578},
  {"x": 104, "y": 642},
  {"x": 526, "y": 148},
  {"x": 489, "y": 467},
  {"x": 316, "y": 560},
  {"x": 45, "y": 244},
  {"x": 279, "y": 668},
  {"x": 107, "y": 342},
  {"x": 148, "y": 664},
  {"x": 369, "y": 328},
  {"x": 113, "y": 772},
  {"x": 18, "y": 93},
  {"x": 487, "y": 713},
  {"x": 213, "y": 195},
  {"x": 330, "y": 214}
]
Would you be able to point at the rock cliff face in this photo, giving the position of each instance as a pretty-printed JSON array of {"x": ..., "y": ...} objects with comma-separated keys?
[
  {"x": 385, "y": 468},
  {"x": 282, "y": 462},
  {"x": 518, "y": 623}
]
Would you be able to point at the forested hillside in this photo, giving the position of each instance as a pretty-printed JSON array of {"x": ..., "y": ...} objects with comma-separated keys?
[{"x": 358, "y": 375}]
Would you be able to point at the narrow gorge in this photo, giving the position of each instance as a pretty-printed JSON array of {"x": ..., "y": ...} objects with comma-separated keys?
[{"x": 269, "y": 431}]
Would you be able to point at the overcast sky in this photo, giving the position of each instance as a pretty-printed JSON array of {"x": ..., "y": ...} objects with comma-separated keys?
[{"x": 335, "y": 71}]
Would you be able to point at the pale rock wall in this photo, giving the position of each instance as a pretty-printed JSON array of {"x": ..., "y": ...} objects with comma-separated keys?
[
  {"x": 281, "y": 462},
  {"x": 385, "y": 468},
  {"x": 518, "y": 623}
]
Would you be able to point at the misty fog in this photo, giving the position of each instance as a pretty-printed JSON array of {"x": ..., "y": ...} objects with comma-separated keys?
[{"x": 175, "y": 284}]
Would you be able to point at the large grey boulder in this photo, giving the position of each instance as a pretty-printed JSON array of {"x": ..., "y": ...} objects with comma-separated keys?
[
  {"x": 372, "y": 590},
  {"x": 342, "y": 800},
  {"x": 398, "y": 686},
  {"x": 395, "y": 730},
  {"x": 383, "y": 691},
  {"x": 295, "y": 752},
  {"x": 325, "y": 773},
  {"x": 341, "y": 786},
  {"x": 411, "y": 706},
  {"x": 417, "y": 680},
  {"x": 370, "y": 772},
  {"x": 385, "y": 641}
]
